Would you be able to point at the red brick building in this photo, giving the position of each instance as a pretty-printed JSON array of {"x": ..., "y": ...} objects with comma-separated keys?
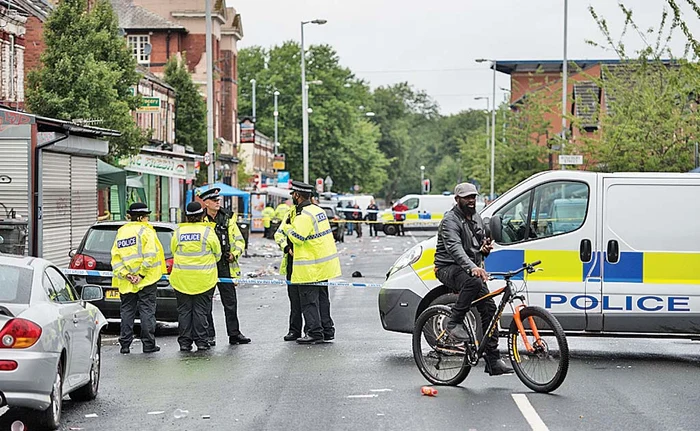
[{"x": 173, "y": 27}]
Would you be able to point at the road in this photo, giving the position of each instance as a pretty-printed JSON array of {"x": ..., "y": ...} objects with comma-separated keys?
[{"x": 366, "y": 378}]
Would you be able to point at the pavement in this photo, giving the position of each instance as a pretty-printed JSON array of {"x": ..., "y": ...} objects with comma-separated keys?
[{"x": 367, "y": 379}]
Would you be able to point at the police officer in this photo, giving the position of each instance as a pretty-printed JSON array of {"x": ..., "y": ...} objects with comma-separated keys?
[
  {"x": 282, "y": 210},
  {"x": 314, "y": 259},
  {"x": 232, "y": 246},
  {"x": 267, "y": 213},
  {"x": 196, "y": 249},
  {"x": 138, "y": 263},
  {"x": 295, "y": 316}
]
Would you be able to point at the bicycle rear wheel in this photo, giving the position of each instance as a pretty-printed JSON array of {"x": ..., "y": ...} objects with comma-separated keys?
[
  {"x": 439, "y": 358},
  {"x": 543, "y": 369}
]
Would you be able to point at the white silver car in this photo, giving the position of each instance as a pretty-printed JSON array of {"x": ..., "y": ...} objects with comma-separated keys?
[{"x": 49, "y": 339}]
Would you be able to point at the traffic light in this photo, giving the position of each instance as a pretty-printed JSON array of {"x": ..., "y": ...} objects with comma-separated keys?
[{"x": 426, "y": 186}]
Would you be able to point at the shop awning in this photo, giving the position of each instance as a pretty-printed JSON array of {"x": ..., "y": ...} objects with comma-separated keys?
[
  {"x": 228, "y": 191},
  {"x": 108, "y": 176}
]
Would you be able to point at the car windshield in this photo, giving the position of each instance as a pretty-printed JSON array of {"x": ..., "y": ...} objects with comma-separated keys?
[
  {"x": 100, "y": 240},
  {"x": 15, "y": 284}
]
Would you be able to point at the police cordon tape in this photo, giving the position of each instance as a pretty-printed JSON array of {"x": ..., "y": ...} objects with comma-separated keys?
[{"x": 270, "y": 282}]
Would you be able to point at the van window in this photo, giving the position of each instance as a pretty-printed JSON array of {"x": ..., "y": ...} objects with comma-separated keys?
[
  {"x": 411, "y": 203},
  {"x": 549, "y": 209}
]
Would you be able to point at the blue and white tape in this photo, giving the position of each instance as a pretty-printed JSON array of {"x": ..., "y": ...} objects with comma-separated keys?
[{"x": 252, "y": 281}]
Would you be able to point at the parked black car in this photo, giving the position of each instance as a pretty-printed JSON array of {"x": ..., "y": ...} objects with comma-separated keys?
[
  {"x": 337, "y": 222},
  {"x": 94, "y": 253}
]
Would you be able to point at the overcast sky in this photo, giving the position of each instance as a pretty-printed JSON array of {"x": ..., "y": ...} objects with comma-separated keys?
[{"x": 433, "y": 44}]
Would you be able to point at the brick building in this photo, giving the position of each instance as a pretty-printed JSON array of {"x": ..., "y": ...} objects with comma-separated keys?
[
  {"x": 13, "y": 20},
  {"x": 171, "y": 27}
]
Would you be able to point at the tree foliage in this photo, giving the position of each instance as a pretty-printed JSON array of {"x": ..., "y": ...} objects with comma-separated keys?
[
  {"x": 86, "y": 72},
  {"x": 190, "y": 108}
]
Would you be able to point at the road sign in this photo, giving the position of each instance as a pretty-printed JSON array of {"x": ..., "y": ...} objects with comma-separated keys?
[
  {"x": 319, "y": 185},
  {"x": 149, "y": 104},
  {"x": 570, "y": 160},
  {"x": 207, "y": 158}
]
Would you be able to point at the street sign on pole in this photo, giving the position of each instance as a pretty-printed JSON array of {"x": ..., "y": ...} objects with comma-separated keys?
[
  {"x": 319, "y": 185},
  {"x": 570, "y": 159},
  {"x": 207, "y": 158}
]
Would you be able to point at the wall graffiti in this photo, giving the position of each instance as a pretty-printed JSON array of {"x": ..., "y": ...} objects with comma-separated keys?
[{"x": 5, "y": 179}]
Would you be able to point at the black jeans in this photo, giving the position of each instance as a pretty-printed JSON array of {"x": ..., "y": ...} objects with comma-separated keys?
[
  {"x": 192, "y": 318},
  {"x": 316, "y": 308},
  {"x": 145, "y": 302},
  {"x": 373, "y": 228},
  {"x": 470, "y": 288},
  {"x": 227, "y": 291},
  {"x": 294, "y": 309}
]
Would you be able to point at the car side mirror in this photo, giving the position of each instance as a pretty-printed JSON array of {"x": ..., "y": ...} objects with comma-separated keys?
[
  {"x": 91, "y": 292},
  {"x": 72, "y": 252},
  {"x": 496, "y": 228}
]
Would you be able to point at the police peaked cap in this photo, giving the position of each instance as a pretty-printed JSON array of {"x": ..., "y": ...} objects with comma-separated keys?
[
  {"x": 194, "y": 208},
  {"x": 212, "y": 193},
  {"x": 299, "y": 186},
  {"x": 139, "y": 208}
]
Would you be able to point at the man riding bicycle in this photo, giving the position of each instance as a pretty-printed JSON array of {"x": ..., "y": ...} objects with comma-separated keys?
[{"x": 461, "y": 248}]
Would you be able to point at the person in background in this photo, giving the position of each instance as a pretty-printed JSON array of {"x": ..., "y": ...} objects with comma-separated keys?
[
  {"x": 267, "y": 213},
  {"x": 138, "y": 262},
  {"x": 357, "y": 216},
  {"x": 232, "y": 245},
  {"x": 400, "y": 217},
  {"x": 196, "y": 249},
  {"x": 371, "y": 217},
  {"x": 348, "y": 215},
  {"x": 282, "y": 210}
]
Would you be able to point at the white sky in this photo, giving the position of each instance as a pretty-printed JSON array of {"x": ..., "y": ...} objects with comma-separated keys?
[{"x": 433, "y": 44}]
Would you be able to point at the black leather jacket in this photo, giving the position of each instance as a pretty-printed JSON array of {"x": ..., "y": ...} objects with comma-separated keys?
[{"x": 456, "y": 244}]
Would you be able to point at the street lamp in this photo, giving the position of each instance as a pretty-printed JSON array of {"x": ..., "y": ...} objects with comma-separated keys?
[
  {"x": 487, "y": 117},
  {"x": 252, "y": 81},
  {"x": 370, "y": 114},
  {"x": 276, "y": 114},
  {"x": 422, "y": 178},
  {"x": 564, "y": 85},
  {"x": 305, "y": 100},
  {"x": 493, "y": 123}
]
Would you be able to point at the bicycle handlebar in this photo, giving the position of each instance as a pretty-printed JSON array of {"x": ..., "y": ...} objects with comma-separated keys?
[{"x": 529, "y": 267}]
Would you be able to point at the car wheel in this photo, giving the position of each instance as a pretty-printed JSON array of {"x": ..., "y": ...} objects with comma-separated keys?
[
  {"x": 89, "y": 391},
  {"x": 390, "y": 229},
  {"x": 51, "y": 417}
]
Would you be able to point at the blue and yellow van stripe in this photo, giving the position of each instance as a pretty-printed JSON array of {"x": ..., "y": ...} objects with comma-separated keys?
[{"x": 566, "y": 266}]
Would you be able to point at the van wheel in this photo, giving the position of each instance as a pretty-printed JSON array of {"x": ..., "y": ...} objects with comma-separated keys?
[{"x": 390, "y": 229}]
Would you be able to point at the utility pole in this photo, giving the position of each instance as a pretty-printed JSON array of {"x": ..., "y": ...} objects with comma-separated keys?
[{"x": 210, "y": 91}]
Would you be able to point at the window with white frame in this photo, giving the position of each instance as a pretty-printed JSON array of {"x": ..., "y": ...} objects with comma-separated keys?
[{"x": 137, "y": 44}]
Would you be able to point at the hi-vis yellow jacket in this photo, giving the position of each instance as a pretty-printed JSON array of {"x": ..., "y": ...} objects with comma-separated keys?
[
  {"x": 281, "y": 211},
  {"x": 315, "y": 256},
  {"x": 196, "y": 249},
  {"x": 281, "y": 239},
  {"x": 267, "y": 214},
  {"x": 137, "y": 250}
]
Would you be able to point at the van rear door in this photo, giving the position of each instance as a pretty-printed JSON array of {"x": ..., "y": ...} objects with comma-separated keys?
[{"x": 650, "y": 239}]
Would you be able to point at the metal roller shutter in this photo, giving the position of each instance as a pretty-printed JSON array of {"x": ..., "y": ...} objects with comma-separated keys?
[
  {"x": 83, "y": 197},
  {"x": 14, "y": 177},
  {"x": 56, "y": 208}
]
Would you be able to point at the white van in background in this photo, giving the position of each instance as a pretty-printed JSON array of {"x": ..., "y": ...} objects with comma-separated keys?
[
  {"x": 424, "y": 211},
  {"x": 361, "y": 200}
]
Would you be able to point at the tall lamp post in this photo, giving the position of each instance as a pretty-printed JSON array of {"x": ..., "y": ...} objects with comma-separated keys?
[
  {"x": 210, "y": 89},
  {"x": 487, "y": 117},
  {"x": 422, "y": 179},
  {"x": 493, "y": 123},
  {"x": 564, "y": 85},
  {"x": 276, "y": 115},
  {"x": 305, "y": 100},
  {"x": 253, "y": 82}
]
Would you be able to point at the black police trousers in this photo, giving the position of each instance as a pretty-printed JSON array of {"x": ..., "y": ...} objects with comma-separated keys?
[
  {"x": 315, "y": 306},
  {"x": 145, "y": 302},
  {"x": 470, "y": 288},
  {"x": 227, "y": 292},
  {"x": 192, "y": 317}
]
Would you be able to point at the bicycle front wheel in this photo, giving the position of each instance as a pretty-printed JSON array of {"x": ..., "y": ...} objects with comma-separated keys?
[
  {"x": 542, "y": 368},
  {"x": 439, "y": 358}
]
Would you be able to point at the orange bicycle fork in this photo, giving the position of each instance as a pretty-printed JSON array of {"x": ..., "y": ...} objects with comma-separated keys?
[{"x": 521, "y": 329}]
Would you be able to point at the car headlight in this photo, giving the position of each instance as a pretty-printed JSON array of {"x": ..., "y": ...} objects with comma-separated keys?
[{"x": 408, "y": 258}]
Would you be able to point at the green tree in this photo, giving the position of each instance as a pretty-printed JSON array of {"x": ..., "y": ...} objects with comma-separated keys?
[
  {"x": 337, "y": 125},
  {"x": 87, "y": 72},
  {"x": 190, "y": 108}
]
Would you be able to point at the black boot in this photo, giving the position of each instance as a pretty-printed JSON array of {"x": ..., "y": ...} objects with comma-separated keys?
[{"x": 497, "y": 367}]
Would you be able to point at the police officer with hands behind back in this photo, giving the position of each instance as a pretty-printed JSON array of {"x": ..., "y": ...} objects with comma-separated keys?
[
  {"x": 461, "y": 248},
  {"x": 196, "y": 250},
  {"x": 138, "y": 262},
  {"x": 232, "y": 245},
  {"x": 314, "y": 259}
]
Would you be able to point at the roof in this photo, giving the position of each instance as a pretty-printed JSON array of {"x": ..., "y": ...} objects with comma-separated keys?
[
  {"x": 524, "y": 66},
  {"x": 147, "y": 74},
  {"x": 54, "y": 125},
  {"x": 133, "y": 17},
  {"x": 38, "y": 8},
  {"x": 587, "y": 97}
]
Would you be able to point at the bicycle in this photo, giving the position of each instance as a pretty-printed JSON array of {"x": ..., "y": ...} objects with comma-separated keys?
[{"x": 535, "y": 339}]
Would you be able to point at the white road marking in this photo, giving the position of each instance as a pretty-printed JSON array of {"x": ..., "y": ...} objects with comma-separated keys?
[
  {"x": 380, "y": 390},
  {"x": 529, "y": 413},
  {"x": 363, "y": 396},
  {"x": 413, "y": 237}
]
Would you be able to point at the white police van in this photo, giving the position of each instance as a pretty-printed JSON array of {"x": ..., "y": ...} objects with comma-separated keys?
[{"x": 620, "y": 253}]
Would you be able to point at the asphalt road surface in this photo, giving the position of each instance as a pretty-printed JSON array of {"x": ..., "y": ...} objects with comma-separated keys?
[{"x": 367, "y": 379}]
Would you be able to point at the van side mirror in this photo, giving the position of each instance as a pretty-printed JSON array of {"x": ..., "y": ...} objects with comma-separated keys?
[
  {"x": 91, "y": 292},
  {"x": 496, "y": 228}
]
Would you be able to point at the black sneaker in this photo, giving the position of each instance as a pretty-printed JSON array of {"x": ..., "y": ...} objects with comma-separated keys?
[
  {"x": 238, "y": 339},
  {"x": 186, "y": 348},
  {"x": 328, "y": 337},
  {"x": 203, "y": 347},
  {"x": 457, "y": 331},
  {"x": 153, "y": 350},
  {"x": 291, "y": 336},
  {"x": 212, "y": 342},
  {"x": 125, "y": 350},
  {"x": 497, "y": 367},
  {"x": 309, "y": 340}
]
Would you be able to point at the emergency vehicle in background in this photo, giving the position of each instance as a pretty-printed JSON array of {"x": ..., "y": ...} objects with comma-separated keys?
[{"x": 620, "y": 253}]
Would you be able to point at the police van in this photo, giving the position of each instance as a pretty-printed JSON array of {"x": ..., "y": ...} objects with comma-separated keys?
[
  {"x": 620, "y": 253},
  {"x": 424, "y": 212}
]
